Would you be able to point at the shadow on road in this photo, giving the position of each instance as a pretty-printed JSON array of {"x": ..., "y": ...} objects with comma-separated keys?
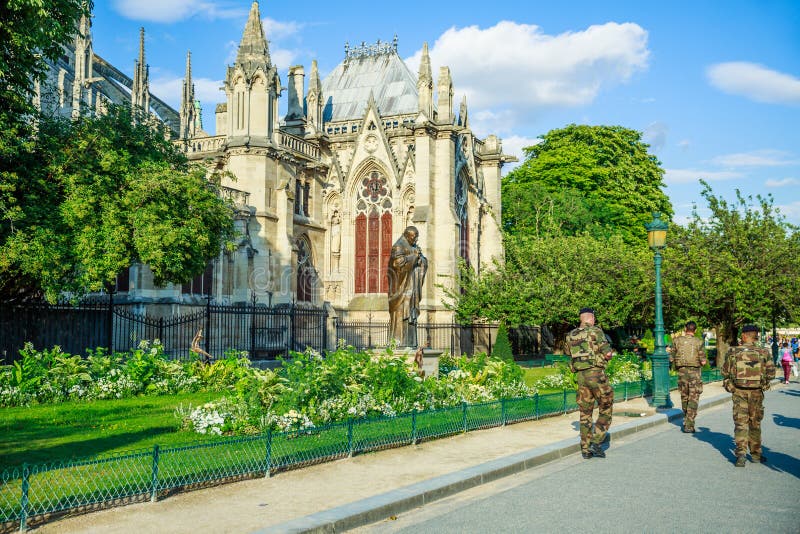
[
  {"x": 718, "y": 440},
  {"x": 782, "y": 420},
  {"x": 792, "y": 392},
  {"x": 783, "y": 463},
  {"x": 777, "y": 461}
]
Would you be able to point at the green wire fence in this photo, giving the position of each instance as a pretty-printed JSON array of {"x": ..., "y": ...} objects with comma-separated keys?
[{"x": 34, "y": 493}]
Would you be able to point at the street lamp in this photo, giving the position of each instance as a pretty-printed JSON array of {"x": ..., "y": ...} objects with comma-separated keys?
[{"x": 657, "y": 239}]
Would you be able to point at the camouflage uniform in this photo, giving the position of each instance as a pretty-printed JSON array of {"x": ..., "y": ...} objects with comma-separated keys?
[
  {"x": 588, "y": 346},
  {"x": 747, "y": 371},
  {"x": 689, "y": 356}
]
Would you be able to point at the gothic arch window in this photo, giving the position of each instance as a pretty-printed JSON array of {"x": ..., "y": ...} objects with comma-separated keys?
[
  {"x": 306, "y": 274},
  {"x": 461, "y": 206},
  {"x": 200, "y": 284},
  {"x": 373, "y": 234},
  {"x": 301, "y": 196}
]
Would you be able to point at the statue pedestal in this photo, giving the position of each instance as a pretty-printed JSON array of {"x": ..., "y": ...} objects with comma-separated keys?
[{"x": 430, "y": 359}]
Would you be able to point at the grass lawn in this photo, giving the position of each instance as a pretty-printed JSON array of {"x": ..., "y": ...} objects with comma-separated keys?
[
  {"x": 45, "y": 433},
  {"x": 534, "y": 374}
]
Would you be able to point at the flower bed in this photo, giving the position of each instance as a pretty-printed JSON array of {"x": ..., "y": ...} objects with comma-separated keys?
[{"x": 308, "y": 391}]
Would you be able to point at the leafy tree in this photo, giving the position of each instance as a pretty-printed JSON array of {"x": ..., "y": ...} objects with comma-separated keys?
[
  {"x": 31, "y": 30},
  {"x": 546, "y": 281},
  {"x": 94, "y": 195},
  {"x": 531, "y": 209},
  {"x": 599, "y": 178},
  {"x": 738, "y": 265}
]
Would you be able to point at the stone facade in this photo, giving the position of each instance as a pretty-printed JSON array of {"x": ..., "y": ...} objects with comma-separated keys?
[{"x": 322, "y": 192}]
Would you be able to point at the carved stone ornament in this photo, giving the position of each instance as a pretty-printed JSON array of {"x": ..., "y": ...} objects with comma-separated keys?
[{"x": 371, "y": 143}]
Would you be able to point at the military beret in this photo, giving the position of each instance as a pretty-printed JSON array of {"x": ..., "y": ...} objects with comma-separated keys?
[
  {"x": 587, "y": 310},
  {"x": 749, "y": 328}
]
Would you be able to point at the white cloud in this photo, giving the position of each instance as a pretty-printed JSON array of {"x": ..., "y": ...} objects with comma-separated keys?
[
  {"x": 275, "y": 29},
  {"x": 781, "y": 183},
  {"x": 684, "y": 144},
  {"x": 513, "y": 145},
  {"x": 517, "y": 66},
  {"x": 167, "y": 11},
  {"x": 755, "y": 158},
  {"x": 655, "y": 135},
  {"x": 755, "y": 82},
  {"x": 169, "y": 89},
  {"x": 791, "y": 211},
  {"x": 685, "y": 176},
  {"x": 283, "y": 58}
]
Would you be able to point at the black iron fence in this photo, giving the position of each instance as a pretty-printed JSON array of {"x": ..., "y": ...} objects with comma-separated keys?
[
  {"x": 448, "y": 337},
  {"x": 264, "y": 332}
]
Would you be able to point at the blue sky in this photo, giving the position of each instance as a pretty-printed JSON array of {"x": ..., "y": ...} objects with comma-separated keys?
[{"x": 714, "y": 85}]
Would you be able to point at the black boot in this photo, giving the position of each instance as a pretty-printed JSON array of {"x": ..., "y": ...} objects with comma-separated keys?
[{"x": 596, "y": 450}]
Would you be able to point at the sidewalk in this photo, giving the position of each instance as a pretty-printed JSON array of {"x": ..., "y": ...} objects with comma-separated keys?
[{"x": 347, "y": 493}]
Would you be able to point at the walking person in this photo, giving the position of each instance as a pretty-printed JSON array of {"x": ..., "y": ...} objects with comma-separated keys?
[
  {"x": 689, "y": 356},
  {"x": 747, "y": 372},
  {"x": 787, "y": 359},
  {"x": 590, "y": 351}
]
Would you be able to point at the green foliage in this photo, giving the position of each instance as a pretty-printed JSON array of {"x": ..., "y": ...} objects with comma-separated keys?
[
  {"x": 737, "y": 265},
  {"x": 30, "y": 31},
  {"x": 649, "y": 341},
  {"x": 447, "y": 362},
  {"x": 546, "y": 281},
  {"x": 53, "y": 376},
  {"x": 502, "y": 346},
  {"x": 92, "y": 196},
  {"x": 579, "y": 179}
]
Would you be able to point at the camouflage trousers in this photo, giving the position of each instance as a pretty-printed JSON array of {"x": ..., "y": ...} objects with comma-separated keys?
[
  {"x": 593, "y": 387},
  {"x": 748, "y": 411},
  {"x": 690, "y": 384}
]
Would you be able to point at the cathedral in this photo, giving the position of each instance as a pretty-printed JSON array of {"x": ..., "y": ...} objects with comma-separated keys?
[{"x": 321, "y": 193}]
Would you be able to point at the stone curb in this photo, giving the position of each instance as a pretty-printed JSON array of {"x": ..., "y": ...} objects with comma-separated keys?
[{"x": 379, "y": 507}]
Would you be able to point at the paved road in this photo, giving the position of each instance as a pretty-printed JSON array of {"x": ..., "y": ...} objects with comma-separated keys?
[{"x": 657, "y": 481}]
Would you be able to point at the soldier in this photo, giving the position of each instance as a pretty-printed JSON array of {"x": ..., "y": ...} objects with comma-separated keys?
[
  {"x": 747, "y": 372},
  {"x": 590, "y": 351},
  {"x": 689, "y": 356}
]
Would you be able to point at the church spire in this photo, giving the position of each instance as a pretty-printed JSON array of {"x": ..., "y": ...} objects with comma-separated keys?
[
  {"x": 425, "y": 84},
  {"x": 253, "y": 49},
  {"x": 188, "y": 110},
  {"x": 314, "y": 100},
  {"x": 463, "y": 119},
  {"x": 140, "y": 92},
  {"x": 83, "y": 65},
  {"x": 445, "y": 108}
]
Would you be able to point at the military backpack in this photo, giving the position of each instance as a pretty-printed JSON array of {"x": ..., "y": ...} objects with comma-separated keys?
[
  {"x": 582, "y": 345},
  {"x": 747, "y": 367},
  {"x": 687, "y": 352}
]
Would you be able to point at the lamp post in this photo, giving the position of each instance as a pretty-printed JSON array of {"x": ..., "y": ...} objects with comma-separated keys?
[{"x": 657, "y": 239}]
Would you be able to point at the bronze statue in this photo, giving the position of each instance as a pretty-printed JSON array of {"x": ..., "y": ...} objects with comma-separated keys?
[
  {"x": 204, "y": 356},
  {"x": 406, "y": 273}
]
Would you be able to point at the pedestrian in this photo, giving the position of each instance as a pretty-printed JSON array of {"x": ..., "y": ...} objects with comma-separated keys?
[
  {"x": 787, "y": 359},
  {"x": 747, "y": 372},
  {"x": 589, "y": 352},
  {"x": 689, "y": 356}
]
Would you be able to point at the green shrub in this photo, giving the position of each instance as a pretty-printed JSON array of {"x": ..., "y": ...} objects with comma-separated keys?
[{"x": 502, "y": 346}]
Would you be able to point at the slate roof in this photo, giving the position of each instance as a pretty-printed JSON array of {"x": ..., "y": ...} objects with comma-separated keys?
[{"x": 346, "y": 89}]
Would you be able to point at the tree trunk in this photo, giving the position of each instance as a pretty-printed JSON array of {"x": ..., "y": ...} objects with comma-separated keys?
[{"x": 727, "y": 336}]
